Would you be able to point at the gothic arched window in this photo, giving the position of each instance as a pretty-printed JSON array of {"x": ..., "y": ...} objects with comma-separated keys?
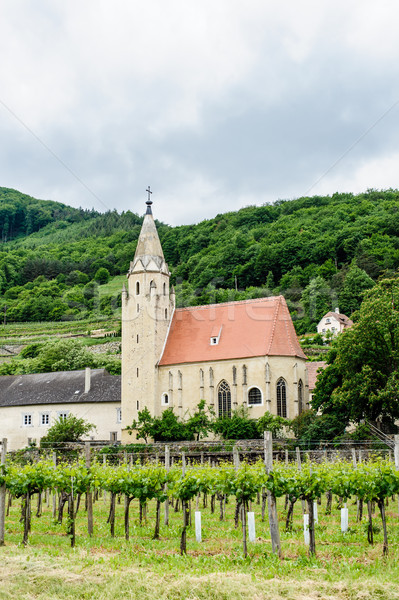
[
  {"x": 300, "y": 396},
  {"x": 281, "y": 398},
  {"x": 224, "y": 399}
]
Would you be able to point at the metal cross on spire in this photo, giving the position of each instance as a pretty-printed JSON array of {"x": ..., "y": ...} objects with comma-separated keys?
[{"x": 149, "y": 201}]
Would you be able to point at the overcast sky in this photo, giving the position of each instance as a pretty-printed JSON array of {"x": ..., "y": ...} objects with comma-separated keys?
[{"x": 217, "y": 104}]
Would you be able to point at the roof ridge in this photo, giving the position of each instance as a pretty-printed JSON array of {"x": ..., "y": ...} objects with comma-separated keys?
[
  {"x": 286, "y": 325},
  {"x": 274, "y": 324},
  {"x": 248, "y": 301}
]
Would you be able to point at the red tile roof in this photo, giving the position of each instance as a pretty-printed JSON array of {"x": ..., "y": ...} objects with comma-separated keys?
[
  {"x": 341, "y": 318},
  {"x": 249, "y": 328},
  {"x": 312, "y": 368}
]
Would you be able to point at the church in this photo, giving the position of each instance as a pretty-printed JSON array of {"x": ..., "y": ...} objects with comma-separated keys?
[{"x": 231, "y": 355}]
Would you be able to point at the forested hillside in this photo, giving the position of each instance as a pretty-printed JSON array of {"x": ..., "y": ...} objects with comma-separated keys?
[
  {"x": 320, "y": 252},
  {"x": 21, "y": 215}
]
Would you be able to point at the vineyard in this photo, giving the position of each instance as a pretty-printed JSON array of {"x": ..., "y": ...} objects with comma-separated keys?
[{"x": 160, "y": 501}]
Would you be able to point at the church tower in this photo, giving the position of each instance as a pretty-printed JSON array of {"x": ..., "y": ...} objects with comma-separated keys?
[{"x": 147, "y": 308}]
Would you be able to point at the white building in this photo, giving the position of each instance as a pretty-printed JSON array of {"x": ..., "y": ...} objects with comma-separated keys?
[
  {"x": 29, "y": 404},
  {"x": 333, "y": 322}
]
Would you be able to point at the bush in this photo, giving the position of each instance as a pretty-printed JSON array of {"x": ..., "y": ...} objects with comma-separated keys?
[
  {"x": 68, "y": 429},
  {"x": 237, "y": 427}
]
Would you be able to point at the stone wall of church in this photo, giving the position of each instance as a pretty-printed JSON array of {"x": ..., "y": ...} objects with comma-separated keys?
[{"x": 183, "y": 386}]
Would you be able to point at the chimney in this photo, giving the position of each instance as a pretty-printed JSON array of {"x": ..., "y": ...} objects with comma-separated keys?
[
  {"x": 87, "y": 379},
  {"x": 337, "y": 310}
]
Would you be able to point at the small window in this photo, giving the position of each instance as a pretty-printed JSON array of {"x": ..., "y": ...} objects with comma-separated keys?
[
  {"x": 138, "y": 405},
  {"x": 214, "y": 341},
  {"x": 328, "y": 321},
  {"x": 138, "y": 308},
  {"x": 137, "y": 288},
  {"x": 254, "y": 396},
  {"x": 137, "y": 338},
  {"x": 113, "y": 436},
  {"x": 62, "y": 416},
  {"x": 166, "y": 313},
  {"x": 164, "y": 289},
  {"x": 45, "y": 419},
  {"x": 27, "y": 420},
  {"x": 137, "y": 371},
  {"x": 165, "y": 400},
  {"x": 119, "y": 415}
]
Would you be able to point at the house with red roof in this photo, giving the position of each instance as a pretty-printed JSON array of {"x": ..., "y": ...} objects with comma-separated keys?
[
  {"x": 333, "y": 323},
  {"x": 231, "y": 355}
]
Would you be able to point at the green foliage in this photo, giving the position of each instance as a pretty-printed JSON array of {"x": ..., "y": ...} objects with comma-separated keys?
[
  {"x": 237, "y": 427},
  {"x": 317, "y": 299},
  {"x": 275, "y": 424},
  {"x": 313, "y": 250},
  {"x": 68, "y": 429},
  {"x": 361, "y": 380},
  {"x": 31, "y": 350},
  {"x": 356, "y": 282},
  {"x": 64, "y": 355},
  {"x": 200, "y": 423},
  {"x": 102, "y": 275},
  {"x": 168, "y": 427}
]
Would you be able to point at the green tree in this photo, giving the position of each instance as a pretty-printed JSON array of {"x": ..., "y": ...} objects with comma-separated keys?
[
  {"x": 317, "y": 299},
  {"x": 201, "y": 422},
  {"x": 68, "y": 429},
  {"x": 143, "y": 425},
  {"x": 102, "y": 275},
  {"x": 355, "y": 284},
  {"x": 362, "y": 378},
  {"x": 63, "y": 355},
  {"x": 269, "y": 422}
]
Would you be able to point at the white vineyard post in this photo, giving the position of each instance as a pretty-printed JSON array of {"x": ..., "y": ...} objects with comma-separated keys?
[
  {"x": 251, "y": 526},
  {"x": 306, "y": 529},
  {"x": 198, "y": 535},
  {"x": 344, "y": 519}
]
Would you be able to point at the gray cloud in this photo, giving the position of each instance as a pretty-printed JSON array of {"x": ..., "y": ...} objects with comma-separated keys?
[{"x": 215, "y": 105}]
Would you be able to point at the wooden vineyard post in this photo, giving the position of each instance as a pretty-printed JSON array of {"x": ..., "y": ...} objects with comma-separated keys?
[
  {"x": 244, "y": 529},
  {"x": 299, "y": 465},
  {"x": 396, "y": 454},
  {"x": 167, "y": 467},
  {"x": 3, "y": 494},
  {"x": 89, "y": 495},
  {"x": 55, "y": 492},
  {"x": 183, "y": 463},
  {"x": 236, "y": 458},
  {"x": 271, "y": 500}
]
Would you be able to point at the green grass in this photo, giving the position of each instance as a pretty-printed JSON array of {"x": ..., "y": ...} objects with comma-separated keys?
[
  {"x": 26, "y": 333},
  {"x": 113, "y": 287},
  {"x": 346, "y": 567}
]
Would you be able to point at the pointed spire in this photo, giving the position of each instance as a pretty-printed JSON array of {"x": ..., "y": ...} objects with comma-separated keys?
[{"x": 149, "y": 254}]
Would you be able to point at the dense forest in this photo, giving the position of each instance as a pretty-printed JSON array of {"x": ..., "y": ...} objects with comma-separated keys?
[{"x": 320, "y": 252}]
